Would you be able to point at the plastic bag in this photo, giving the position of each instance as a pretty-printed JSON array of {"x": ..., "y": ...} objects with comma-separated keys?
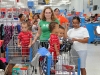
[{"x": 62, "y": 60}]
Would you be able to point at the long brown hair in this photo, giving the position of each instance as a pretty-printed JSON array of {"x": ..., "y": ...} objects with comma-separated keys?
[{"x": 53, "y": 18}]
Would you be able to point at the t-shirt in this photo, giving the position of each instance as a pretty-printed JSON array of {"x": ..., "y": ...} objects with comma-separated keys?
[
  {"x": 54, "y": 40},
  {"x": 79, "y": 33},
  {"x": 62, "y": 19},
  {"x": 24, "y": 37},
  {"x": 45, "y": 32}
]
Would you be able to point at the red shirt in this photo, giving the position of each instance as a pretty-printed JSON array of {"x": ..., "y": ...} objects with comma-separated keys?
[
  {"x": 54, "y": 40},
  {"x": 25, "y": 37}
]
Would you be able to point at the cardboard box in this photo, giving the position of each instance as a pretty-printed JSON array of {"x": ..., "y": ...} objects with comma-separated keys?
[{"x": 20, "y": 69}]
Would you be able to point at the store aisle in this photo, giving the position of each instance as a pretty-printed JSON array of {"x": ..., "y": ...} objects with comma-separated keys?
[{"x": 93, "y": 60}]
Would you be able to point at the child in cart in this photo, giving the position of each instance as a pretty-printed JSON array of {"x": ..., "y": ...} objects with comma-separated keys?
[
  {"x": 54, "y": 41},
  {"x": 61, "y": 33},
  {"x": 25, "y": 40}
]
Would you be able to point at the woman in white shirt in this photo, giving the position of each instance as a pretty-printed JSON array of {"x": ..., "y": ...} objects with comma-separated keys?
[{"x": 79, "y": 36}]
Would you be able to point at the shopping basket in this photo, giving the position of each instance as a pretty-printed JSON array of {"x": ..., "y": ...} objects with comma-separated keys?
[
  {"x": 14, "y": 53},
  {"x": 65, "y": 63}
]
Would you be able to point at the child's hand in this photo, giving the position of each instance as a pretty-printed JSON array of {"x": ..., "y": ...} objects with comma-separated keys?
[
  {"x": 19, "y": 45},
  {"x": 57, "y": 53},
  {"x": 33, "y": 42},
  {"x": 29, "y": 46}
]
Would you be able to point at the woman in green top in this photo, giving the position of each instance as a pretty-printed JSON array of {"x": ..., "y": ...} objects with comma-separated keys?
[
  {"x": 43, "y": 29},
  {"x": 47, "y": 16}
]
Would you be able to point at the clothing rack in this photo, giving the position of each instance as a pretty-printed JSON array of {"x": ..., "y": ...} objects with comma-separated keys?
[{"x": 8, "y": 22}]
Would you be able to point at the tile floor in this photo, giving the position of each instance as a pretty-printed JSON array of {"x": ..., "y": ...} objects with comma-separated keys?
[{"x": 93, "y": 60}]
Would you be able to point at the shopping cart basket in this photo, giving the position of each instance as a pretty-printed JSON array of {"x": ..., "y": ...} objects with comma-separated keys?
[
  {"x": 14, "y": 54},
  {"x": 63, "y": 63}
]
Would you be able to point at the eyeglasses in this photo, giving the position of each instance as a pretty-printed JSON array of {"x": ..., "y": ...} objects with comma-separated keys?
[
  {"x": 47, "y": 12},
  {"x": 75, "y": 23}
]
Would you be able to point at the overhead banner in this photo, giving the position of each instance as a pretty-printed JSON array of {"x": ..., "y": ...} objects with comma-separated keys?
[{"x": 43, "y": 2}]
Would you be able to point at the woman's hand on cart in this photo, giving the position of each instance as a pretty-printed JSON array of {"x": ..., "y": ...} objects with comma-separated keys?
[
  {"x": 29, "y": 45},
  {"x": 33, "y": 42}
]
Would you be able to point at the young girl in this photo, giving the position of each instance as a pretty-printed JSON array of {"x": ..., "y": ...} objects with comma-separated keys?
[
  {"x": 25, "y": 40},
  {"x": 35, "y": 27},
  {"x": 54, "y": 40}
]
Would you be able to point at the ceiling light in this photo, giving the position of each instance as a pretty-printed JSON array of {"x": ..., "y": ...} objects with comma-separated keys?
[
  {"x": 19, "y": 3},
  {"x": 3, "y": 2},
  {"x": 11, "y": 0}
]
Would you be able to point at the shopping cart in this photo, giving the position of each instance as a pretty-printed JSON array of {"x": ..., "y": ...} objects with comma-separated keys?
[
  {"x": 97, "y": 34},
  {"x": 14, "y": 53},
  {"x": 65, "y": 64}
]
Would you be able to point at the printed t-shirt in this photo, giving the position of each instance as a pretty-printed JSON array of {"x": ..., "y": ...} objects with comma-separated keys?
[{"x": 45, "y": 32}]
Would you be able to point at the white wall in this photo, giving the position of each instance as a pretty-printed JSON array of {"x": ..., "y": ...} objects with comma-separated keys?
[
  {"x": 95, "y": 2},
  {"x": 79, "y": 5}
]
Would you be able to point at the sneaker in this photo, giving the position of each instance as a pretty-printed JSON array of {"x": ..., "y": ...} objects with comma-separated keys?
[
  {"x": 23, "y": 60},
  {"x": 27, "y": 60}
]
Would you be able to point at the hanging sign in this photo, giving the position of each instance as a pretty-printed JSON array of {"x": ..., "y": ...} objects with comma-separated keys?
[
  {"x": 30, "y": 4},
  {"x": 43, "y": 2},
  {"x": 90, "y": 2}
]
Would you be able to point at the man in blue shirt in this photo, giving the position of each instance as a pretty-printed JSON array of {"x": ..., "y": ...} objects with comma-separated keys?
[{"x": 70, "y": 19}]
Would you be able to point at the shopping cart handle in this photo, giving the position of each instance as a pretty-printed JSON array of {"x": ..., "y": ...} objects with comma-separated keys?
[{"x": 18, "y": 48}]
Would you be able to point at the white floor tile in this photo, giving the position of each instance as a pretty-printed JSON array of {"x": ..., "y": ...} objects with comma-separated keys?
[{"x": 93, "y": 60}]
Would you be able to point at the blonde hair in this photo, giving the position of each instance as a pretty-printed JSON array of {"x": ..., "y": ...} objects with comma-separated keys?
[{"x": 53, "y": 18}]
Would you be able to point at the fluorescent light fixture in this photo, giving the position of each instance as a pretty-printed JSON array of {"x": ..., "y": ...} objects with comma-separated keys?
[
  {"x": 9, "y": 5},
  {"x": 19, "y": 3},
  {"x": 69, "y": 3},
  {"x": 11, "y": 0},
  {"x": 3, "y": 2}
]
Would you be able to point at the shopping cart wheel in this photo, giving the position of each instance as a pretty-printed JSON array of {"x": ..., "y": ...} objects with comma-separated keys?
[{"x": 96, "y": 43}]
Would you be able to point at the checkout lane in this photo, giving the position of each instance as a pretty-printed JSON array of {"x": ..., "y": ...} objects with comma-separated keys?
[{"x": 91, "y": 27}]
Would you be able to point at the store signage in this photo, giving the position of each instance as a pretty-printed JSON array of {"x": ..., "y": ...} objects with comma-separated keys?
[
  {"x": 43, "y": 2},
  {"x": 30, "y": 4}
]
